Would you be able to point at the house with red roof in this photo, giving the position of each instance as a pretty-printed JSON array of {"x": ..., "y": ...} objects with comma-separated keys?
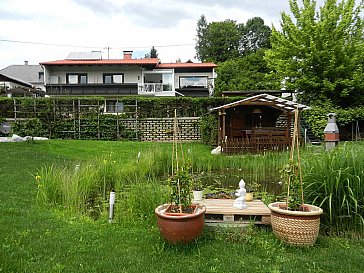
[{"x": 88, "y": 74}]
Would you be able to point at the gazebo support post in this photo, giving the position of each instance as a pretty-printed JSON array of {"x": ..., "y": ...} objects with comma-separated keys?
[
  {"x": 288, "y": 133},
  {"x": 222, "y": 137}
]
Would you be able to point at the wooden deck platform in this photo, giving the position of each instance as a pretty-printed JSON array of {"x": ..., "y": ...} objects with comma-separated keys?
[{"x": 220, "y": 212}]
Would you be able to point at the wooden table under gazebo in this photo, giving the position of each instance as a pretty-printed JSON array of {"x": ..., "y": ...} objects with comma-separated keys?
[{"x": 256, "y": 124}]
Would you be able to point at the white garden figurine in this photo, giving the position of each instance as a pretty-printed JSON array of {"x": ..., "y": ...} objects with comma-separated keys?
[{"x": 241, "y": 192}]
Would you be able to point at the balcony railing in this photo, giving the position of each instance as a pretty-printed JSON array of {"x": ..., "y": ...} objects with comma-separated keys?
[
  {"x": 92, "y": 89},
  {"x": 152, "y": 88}
]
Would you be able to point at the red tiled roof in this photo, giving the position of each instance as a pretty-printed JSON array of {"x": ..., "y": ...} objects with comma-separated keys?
[
  {"x": 152, "y": 61},
  {"x": 186, "y": 65}
]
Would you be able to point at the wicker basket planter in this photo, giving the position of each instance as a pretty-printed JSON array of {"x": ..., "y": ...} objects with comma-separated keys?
[{"x": 298, "y": 228}]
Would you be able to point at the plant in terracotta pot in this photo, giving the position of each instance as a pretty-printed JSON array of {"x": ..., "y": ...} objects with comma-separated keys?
[
  {"x": 179, "y": 221},
  {"x": 197, "y": 190},
  {"x": 293, "y": 221}
]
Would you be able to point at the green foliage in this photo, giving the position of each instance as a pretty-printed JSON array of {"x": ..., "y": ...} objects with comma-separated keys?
[
  {"x": 39, "y": 239},
  {"x": 316, "y": 117},
  {"x": 152, "y": 53},
  {"x": 348, "y": 115},
  {"x": 320, "y": 54},
  {"x": 201, "y": 39},
  {"x": 292, "y": 185},
  {"x": 252, "y": 186},
  {"x": 78, "y": 188},
  {"x": 6, "y": 107},
  {"x": 226, "y": 40},
  {"x": 180, "y": 184},
  {"x": 136, "y": 202},
  {"x": 208, "y": 128},
  {"x": 244, "y": 73},
  {"x": 70, "y": 118},
  {"x": 197, "y": 184},
  {"x": 335, "y": 182},
  {"x": 255, "y": 36},
  {"x": 31, "y": 127},
  {"x": 223, "y": 41},
  {"x": 83, "y": 188}
]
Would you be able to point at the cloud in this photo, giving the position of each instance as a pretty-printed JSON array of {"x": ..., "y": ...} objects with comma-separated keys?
[
  {"x": 99, "y": 7},
  {"x": 11, "y": 15},
  {"x": 270, "y": 8},
  {"x": 152, "y": 14}
]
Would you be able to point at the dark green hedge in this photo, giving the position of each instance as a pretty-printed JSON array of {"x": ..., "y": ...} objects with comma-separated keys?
[
  {"x": 57, "y": 115},
  {"x": 316, "y": 117},
  {"x": 83, "y": 118}
]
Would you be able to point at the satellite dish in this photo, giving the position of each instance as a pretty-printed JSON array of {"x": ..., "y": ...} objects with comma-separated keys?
[{"x": 5, "y": 128}]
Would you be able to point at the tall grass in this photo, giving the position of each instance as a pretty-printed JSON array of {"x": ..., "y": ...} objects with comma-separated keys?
[
  {"x": 77, "y": 189},
  {"x": 138, "y": 182},
  {"x": 84, "y": 188},
  {"x": 136, "y": 203},
  {"x": 335, "y": 182}
]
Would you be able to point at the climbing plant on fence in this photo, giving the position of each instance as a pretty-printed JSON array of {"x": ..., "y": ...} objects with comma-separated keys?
[{"x": 84, "y": 118}]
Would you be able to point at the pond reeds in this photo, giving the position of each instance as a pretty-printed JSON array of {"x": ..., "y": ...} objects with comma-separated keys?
[{"x": 335, "y": 182}]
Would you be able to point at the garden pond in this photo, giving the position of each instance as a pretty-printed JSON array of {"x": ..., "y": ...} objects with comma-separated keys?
[{"x": 226, "y": 182}]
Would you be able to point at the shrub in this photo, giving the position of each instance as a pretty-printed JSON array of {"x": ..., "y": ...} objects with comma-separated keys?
[{"x": 208, "y": 128}]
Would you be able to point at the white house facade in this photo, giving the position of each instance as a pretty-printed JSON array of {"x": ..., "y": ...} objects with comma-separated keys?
[{"x": 89, "y": 75}]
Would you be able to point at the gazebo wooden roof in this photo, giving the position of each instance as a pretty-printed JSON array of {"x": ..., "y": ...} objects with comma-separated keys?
[
  {"x": 266, "y": 100},
  {"x": 256, "y": 124}
]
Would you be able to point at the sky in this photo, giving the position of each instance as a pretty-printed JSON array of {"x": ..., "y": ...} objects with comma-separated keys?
[{"x": 45, "y": 30}]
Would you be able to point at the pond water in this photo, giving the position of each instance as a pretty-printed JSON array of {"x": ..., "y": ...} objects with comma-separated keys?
[{"x": 228, "y": 180}]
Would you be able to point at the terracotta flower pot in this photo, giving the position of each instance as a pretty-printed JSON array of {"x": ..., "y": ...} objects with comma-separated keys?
[
  {"x": 180, "y": 227},
  {"x": 299, "y": 228}
]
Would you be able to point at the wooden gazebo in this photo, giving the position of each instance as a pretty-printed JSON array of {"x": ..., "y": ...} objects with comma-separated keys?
[{"x": 256, "y": 124}]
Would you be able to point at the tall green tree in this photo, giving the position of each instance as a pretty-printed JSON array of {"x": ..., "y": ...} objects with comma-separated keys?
[
  {"x": 222, "y": 41},
  {"x": 225, "y": 40},
  {"x": 201, "y": 39},
  {"x": 244, "y": 73},
  {"x": 217, "y": 41},
  {"x": 255, "y": 35},
  {"x": 320, "y": 52},
  {"x": 153, "y": 53}
]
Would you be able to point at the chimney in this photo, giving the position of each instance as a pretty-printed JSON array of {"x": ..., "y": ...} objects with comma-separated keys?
[
  {"x": 25, "y": 62},
  {"x": 128, "y": 54},
  {"x": 331, "y": 132}
]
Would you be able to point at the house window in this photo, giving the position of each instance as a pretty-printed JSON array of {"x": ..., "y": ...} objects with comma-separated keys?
[
  {"x": 83, "y": 79},
  {"x": 193, "y": 81},
  {"x": 41, "y": 76},
  {"x": 114, "y": 106},
  {"x": 113, "y": 78},
  {"x": 76, "y": 78}
]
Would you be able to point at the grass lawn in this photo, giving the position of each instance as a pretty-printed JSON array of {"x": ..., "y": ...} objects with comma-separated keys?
[{"x": 35, "y": 238}]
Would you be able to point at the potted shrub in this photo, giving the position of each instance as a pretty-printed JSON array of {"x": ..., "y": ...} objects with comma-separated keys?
[
  {"x": 179, "y": 221},
  {"x": 250, "y": 189},
  {"x": 293, "y": 221},
  {"x": 197, "y": 190}
]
